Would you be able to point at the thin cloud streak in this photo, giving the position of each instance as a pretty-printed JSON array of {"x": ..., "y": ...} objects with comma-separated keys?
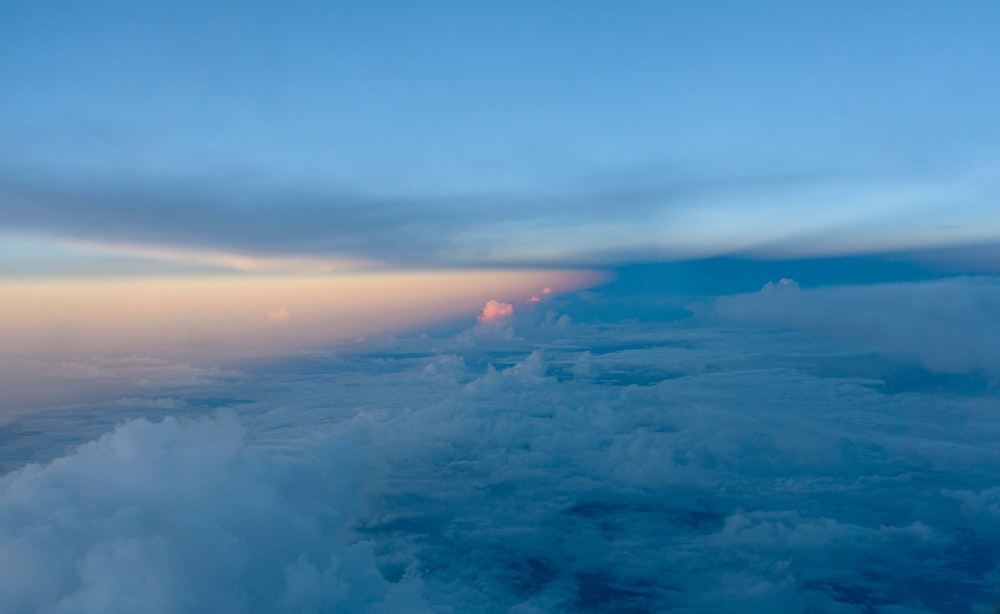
[{"x": 247, "y": 263}]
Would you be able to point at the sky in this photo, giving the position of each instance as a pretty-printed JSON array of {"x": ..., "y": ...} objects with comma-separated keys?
[
  {"x": 570, "y": 134},
  {"x": 514, "y": 307}
]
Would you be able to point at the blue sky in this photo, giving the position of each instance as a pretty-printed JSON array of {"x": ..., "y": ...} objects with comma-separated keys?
[{"x": 516, "y": 133}]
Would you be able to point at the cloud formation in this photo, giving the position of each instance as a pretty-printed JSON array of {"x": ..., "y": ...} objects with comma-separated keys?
[
  {"x": 495, "y": 311},
  {"x": 701, "y": 465},
  {"x": 181, "y": 515},
  {"x": 951, "y": 325}
]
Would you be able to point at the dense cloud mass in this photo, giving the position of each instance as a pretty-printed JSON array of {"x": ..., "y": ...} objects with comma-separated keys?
[
  {"x": 788, "y": 451},
  {"x": 951, "y": 325},
  {"x": 179, "y": 516}
]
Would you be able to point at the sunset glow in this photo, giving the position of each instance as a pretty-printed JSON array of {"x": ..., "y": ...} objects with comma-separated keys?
[{"x": 232, "y": 315}]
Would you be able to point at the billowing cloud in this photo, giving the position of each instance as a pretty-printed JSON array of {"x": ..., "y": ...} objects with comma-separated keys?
[
  {"x": 183, "y": 516},
  {"x": 952, "y": 325},
  {"x": 495, "y": 311}
]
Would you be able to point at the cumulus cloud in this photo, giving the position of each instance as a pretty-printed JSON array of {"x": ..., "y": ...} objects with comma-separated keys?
[
  {"x": 183, "y": 516},
  {"x": 495, "y": 311}
]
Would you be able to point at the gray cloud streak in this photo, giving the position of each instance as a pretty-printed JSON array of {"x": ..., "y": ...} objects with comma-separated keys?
[{"x": 408, "y": 230}]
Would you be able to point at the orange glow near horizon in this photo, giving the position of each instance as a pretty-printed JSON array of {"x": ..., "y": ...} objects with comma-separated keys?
[{"x": 243, "y": 315}]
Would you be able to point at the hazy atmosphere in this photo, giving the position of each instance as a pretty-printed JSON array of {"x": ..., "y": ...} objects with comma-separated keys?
[{"x": 516, "y": 307}]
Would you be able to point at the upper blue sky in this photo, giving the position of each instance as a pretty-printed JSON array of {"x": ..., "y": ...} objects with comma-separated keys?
[{"x": 469, "y": 133}]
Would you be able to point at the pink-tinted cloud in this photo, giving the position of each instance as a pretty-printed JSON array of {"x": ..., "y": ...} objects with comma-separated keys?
[
  {"x": 547, "y": 291},
  {"x": 494, "y": 311}
]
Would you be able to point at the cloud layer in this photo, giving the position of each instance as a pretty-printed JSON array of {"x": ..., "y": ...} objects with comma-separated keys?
[
  {"x": 950, "y": 325},
  {"x": 703, "y": 465},
  {"x": 269, "y": 227}
]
